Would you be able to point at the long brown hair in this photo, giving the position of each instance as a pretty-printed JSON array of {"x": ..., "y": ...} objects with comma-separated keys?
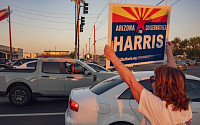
[{"x": 171, "y": 87}]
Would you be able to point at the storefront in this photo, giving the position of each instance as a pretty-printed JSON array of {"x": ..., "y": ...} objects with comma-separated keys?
[{"x": 17, "y": 53}]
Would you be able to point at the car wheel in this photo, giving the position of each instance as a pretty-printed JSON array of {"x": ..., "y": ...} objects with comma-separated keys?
[{"x": 20, "y": 96}]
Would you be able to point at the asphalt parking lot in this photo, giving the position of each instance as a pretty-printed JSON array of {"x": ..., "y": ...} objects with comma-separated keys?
[
  {"x": 50, "y": 111},
  {"x": 42, "y": 111}
]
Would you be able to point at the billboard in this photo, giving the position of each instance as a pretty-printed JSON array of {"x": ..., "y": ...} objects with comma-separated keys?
[{"x": 139, "y": 32}]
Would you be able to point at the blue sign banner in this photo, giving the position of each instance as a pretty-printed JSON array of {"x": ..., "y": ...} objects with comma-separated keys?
[{"x": 139, "y": 32}]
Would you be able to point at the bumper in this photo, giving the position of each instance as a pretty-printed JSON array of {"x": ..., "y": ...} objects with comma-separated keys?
[{"x": 68, "y": 118}]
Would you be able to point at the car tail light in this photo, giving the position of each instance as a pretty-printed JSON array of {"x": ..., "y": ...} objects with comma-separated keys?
[{"x": 73, "y": 105}]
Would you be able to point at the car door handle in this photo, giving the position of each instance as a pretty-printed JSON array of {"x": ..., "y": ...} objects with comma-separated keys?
[
  {"x": 45, "y": 76},
  {"x": 70, "y": 77}
]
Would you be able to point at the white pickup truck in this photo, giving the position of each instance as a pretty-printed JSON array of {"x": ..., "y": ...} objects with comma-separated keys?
[{"x": 50, "y": 78}]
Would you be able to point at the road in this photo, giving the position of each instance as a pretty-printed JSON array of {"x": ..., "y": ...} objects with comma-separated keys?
[
  {"x": 50, "y": 111},
  {"x": 43, "y": 111}
]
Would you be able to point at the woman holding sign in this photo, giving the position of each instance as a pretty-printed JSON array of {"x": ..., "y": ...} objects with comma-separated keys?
[{"x": 168, "y": 105}]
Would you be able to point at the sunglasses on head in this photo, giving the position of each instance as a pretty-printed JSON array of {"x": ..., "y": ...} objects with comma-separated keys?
[{"x": 152, "y": 79}]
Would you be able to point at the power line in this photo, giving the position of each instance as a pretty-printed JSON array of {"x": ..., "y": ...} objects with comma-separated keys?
[
  {"x": 102, "y": 22},
  {"x": 175, "y": 2},
  {"x": 42, "y": 11},
  {"x": 102, "y": 38},
  {"x": 40, "y": 14},
  {"x": 103, "y": 9},
  {"x": 46, "y": 15},
  {"x": 46, "y": 12},
  {"x": 42, "y": 19},
  {"x": 159, "y": 3},
  {"x": 40, "y": 27}
]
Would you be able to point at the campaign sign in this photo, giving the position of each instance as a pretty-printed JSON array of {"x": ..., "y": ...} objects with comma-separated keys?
[{"x": 139, "y": 32}]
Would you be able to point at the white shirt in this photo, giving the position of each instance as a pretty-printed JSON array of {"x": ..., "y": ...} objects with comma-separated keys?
[{"x": 156, "y": 113}]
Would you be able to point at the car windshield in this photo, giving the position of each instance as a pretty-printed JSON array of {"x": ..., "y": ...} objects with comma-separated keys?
[{"x": 106, "y": 85}]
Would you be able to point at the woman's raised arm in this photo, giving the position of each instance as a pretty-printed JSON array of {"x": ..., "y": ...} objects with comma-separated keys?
[
  {"x": 124, "y": 72},
  {"x": 170, "y": 58}
]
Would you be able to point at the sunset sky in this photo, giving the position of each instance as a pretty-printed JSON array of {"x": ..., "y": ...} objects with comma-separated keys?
[{"x": 39, "y": 25}]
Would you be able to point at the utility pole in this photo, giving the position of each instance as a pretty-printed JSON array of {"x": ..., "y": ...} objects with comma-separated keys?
[
  {"x": 89, "y": 45},
  {"x": 75, "y": 28},
  {"x": 10, "y": 34},
  {"x": 78, "y": 39},
  {"x": 86, "y": 48},
  {"x": 83, "y": 54},
  {"x": 78, "y": 9},
  {"x": 77, "y": 12},
  {"x": 94, "y": 45},
  {"x": 75, "y": 56}
]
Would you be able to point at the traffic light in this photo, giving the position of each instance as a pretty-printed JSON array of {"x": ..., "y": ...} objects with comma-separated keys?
[
  {"x": 85, "y": 8},
  {"x": 81, "y": 27},
  {"x": 83, "y": 20}
]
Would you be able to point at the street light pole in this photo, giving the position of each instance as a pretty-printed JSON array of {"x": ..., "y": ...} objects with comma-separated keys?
[
  {"x": 94, "y": 45},
  {"x": 89, "y": 45}
]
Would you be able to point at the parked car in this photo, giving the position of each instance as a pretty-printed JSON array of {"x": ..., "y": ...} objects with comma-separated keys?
[
  {"x": 22, "y": 61},
  {"x": 181, "y": 65},
  {"x": 28, "y": 65},
  {"x": 5, "y": 63},
  {"x": 83, "y": 60},
  {"x": 192, "y": 63},
  {"x": 186, "y": 61},
  {"x": 110, "y": 102},
  {"x": 98, "y": 67},
  {"x": 51, "y": 77},
  {"x": 13, "y": 60},
  {"x": 197, "y": 62}
]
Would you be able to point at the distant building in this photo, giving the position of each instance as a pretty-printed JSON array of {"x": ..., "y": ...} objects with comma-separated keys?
[
  {"x": 30, "y": 55},
  {"x": 17, "y": 53},
  {"x": 55, "y": 54}
]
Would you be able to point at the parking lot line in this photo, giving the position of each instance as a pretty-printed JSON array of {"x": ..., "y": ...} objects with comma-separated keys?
[{"x": 31, "y": 114}]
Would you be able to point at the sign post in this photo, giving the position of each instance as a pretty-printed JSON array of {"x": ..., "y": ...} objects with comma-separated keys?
[{"x": 139, "y": 33}]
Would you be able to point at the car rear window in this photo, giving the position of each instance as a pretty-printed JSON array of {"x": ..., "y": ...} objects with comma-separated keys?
[
  {"x": 193, "y": 88},
  {"x": 106, "y": 85}
]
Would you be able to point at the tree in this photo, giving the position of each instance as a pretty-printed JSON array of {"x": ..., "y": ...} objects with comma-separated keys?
[
  {"x": 194, "y": 42},
  {"x": 176, "y": 42},
  {"x": 72, "y": 54},
  {"x": 184, "y": 44},
  {"x": 88, "y": 56}
]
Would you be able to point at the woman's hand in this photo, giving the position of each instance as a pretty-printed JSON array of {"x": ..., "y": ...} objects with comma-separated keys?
[
  {"x": 109, "y": 52},
  {"x": 170, "y": 47}
]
